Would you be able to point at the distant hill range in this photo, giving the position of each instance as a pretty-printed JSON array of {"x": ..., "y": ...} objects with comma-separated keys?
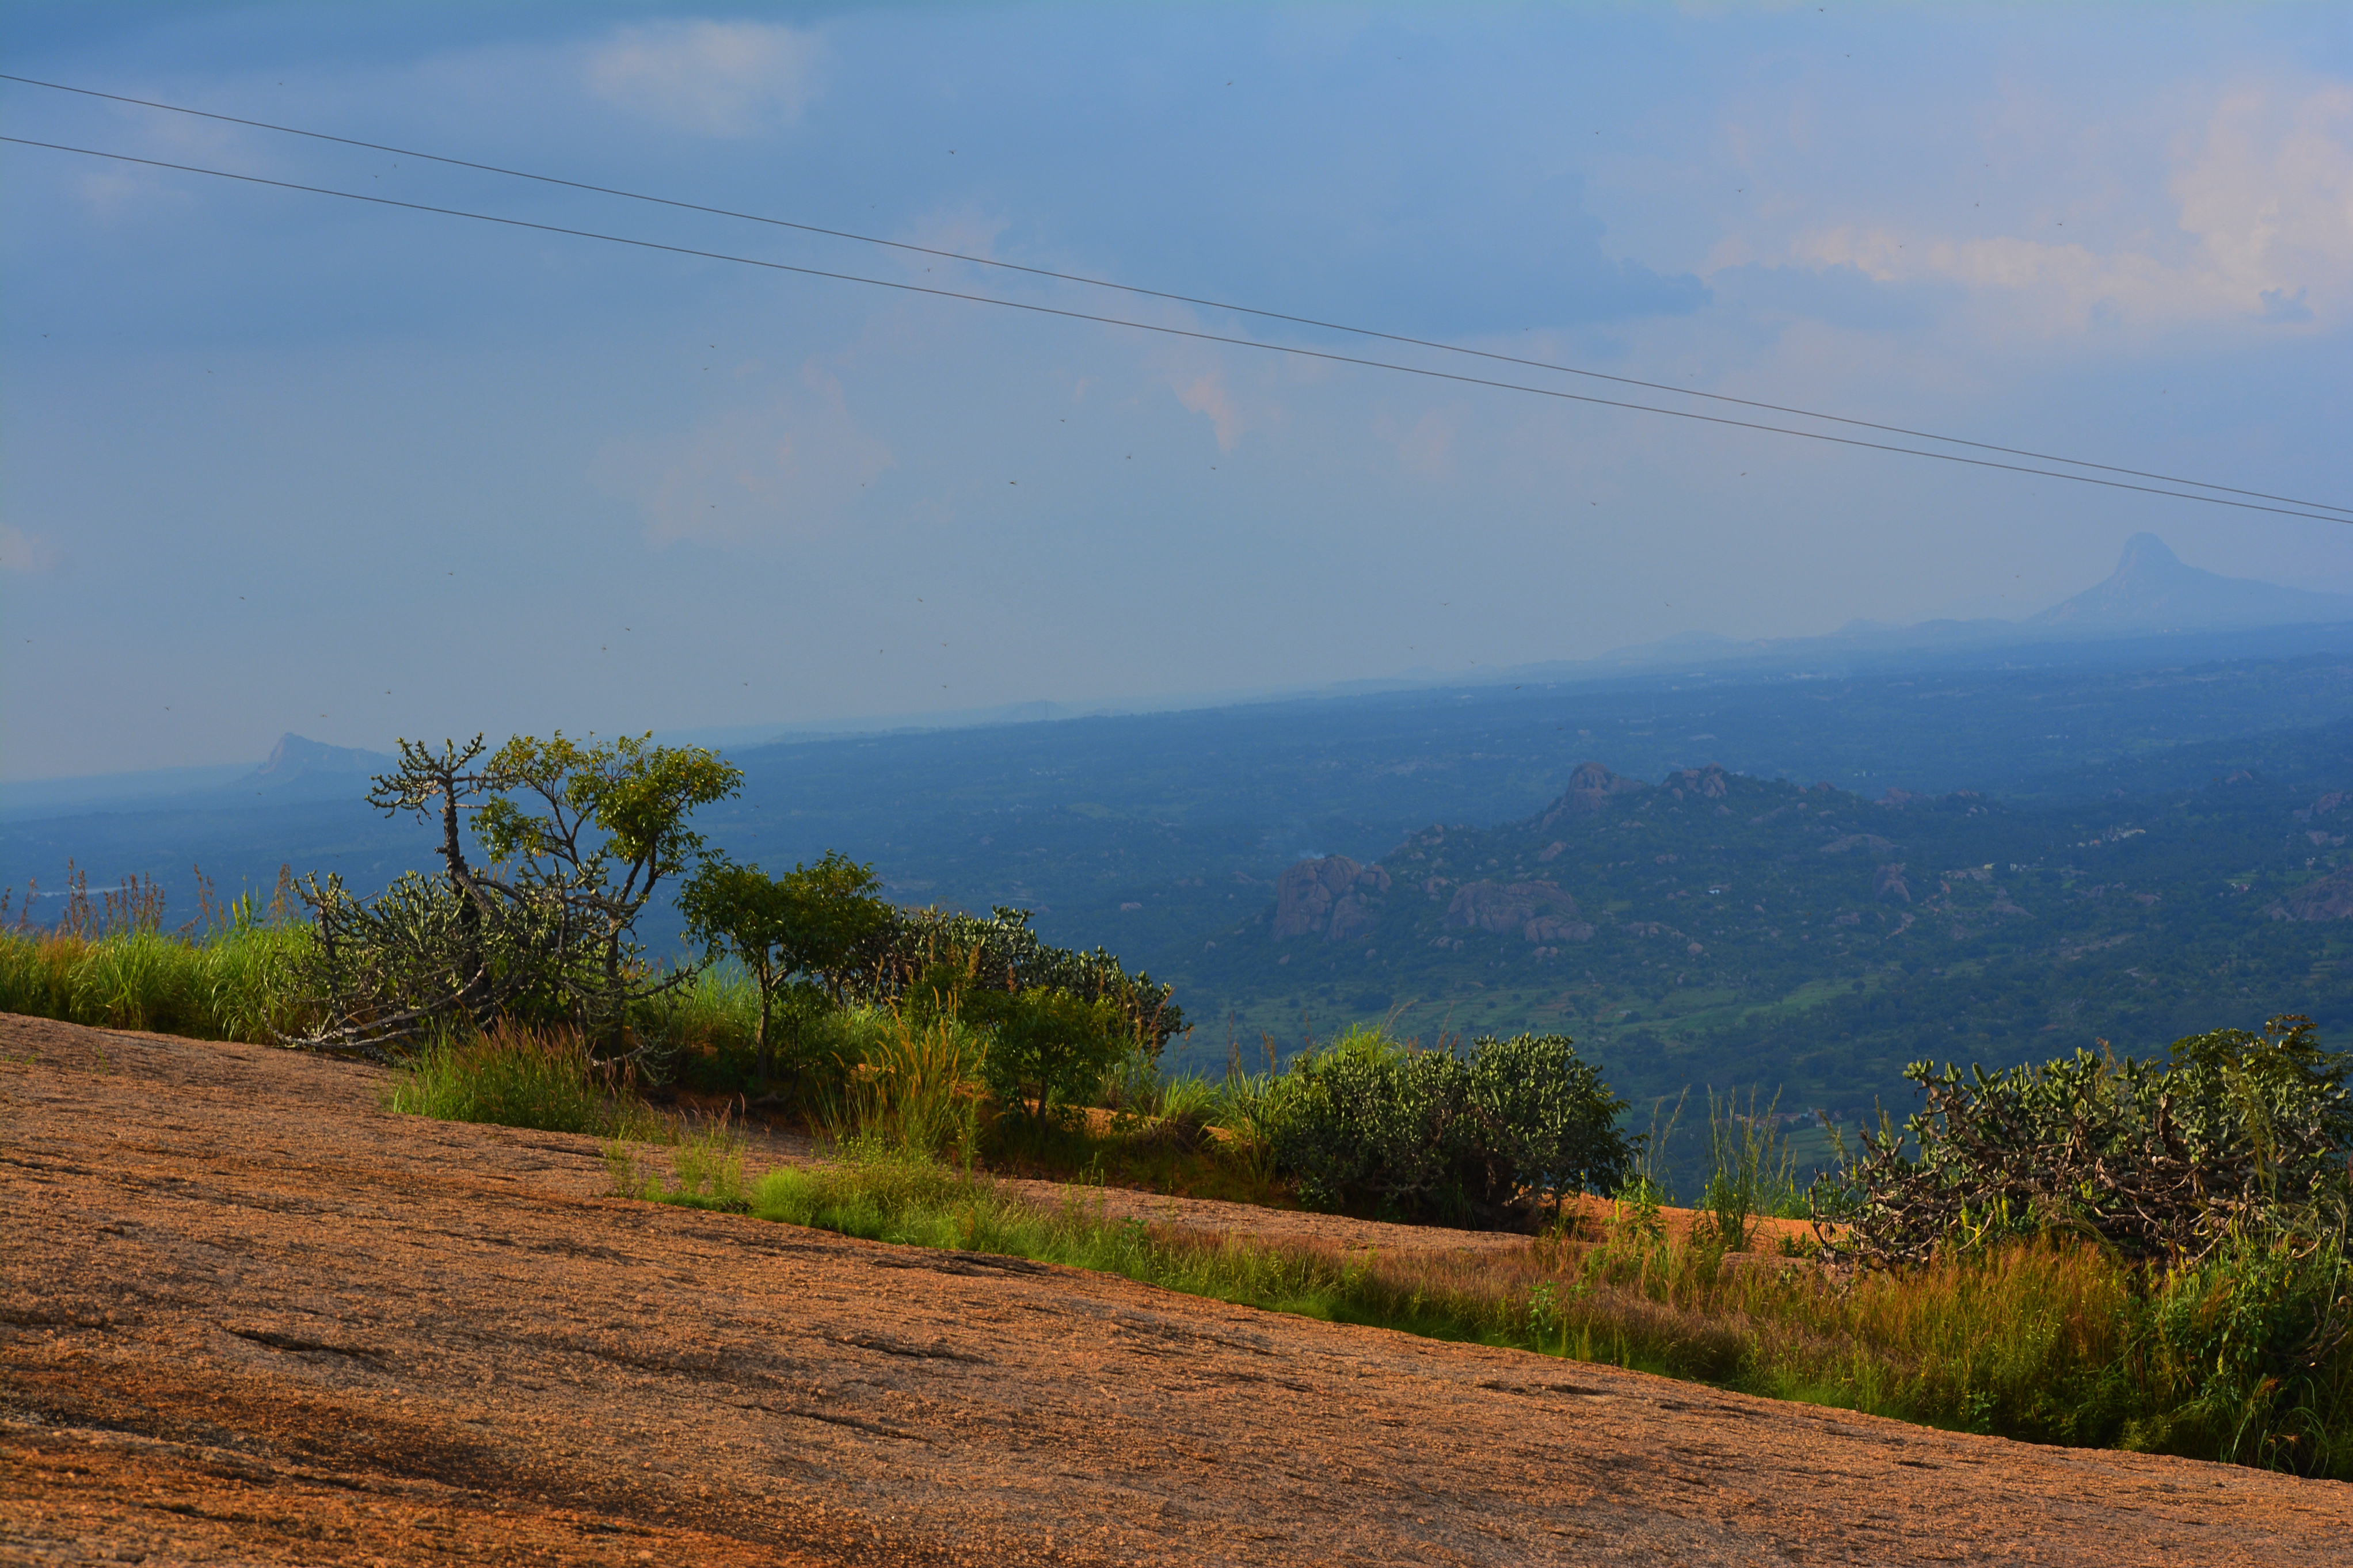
[
  {"x": 2152, "y": 593},
  {"x": 2153, "y": 611},
  {"x": 1716, "y": 926},
  {"x": 297, "y": 769}
]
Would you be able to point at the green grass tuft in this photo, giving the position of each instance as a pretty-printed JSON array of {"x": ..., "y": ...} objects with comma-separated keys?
[{"x": 513, "y": 1077}]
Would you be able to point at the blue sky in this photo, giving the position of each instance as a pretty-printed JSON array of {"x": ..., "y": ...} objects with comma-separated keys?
[{"x": 271, "y": 461}]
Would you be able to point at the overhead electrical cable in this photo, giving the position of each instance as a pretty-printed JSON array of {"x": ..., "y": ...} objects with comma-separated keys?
[
  {"x": 1176, "y": 297},
  {"x": 1192, "y": 333}
]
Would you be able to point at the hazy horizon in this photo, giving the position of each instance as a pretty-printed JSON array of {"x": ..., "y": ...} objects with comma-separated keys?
[{"x": 277, "y": 462}]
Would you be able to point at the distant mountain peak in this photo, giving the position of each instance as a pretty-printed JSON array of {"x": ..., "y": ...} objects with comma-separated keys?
[
  {"x": 2154, "y": 589},
  {"x": 299, "y": 757}
]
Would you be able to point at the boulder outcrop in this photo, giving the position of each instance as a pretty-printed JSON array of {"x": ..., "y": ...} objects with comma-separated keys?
[
  {"x": 1590, "y": 788},
  {"x": 2329, "y": 899},
  {"x": 1327, "y": 897},
  {"x": 1539, "y": 912},
  {"x": 1707, "y": 783}
]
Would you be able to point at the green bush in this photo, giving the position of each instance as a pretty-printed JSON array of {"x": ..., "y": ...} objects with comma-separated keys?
[
  {"x": 908, "y": 954},
  {"x": 1546, "y": 1119},
  {"x": 1048, "y": 1050},
  {"x": 1493, "y": 1139},
  {"x": 2248, "y": 1354},
  {"x": 2158, "y": 1161},
  {"x": 792, "y": 934}
]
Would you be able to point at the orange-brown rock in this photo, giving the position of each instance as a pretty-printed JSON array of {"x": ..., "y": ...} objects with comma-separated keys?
[{"x": 246, "y": 1317}]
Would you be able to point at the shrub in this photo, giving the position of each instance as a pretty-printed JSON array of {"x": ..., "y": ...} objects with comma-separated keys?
[
  {"x": 1522, "y": 1123},
  {"x": 1000, "y": 954},
  {"x": 1048, "y": 1050},
  {"x": 2156, "y": 1161},
  {"x": 1547, "y": 1118}
]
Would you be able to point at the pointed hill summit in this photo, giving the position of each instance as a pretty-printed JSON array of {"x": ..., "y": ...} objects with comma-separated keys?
[{"x": 2152, "y": 589}]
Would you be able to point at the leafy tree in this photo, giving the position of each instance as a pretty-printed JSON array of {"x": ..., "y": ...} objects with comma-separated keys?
[
  {"x": 599, "y": 828},
  {"x": 590, "y": 833},
  {"x": 797, "y": 932},
  {"x": 1046, "y": 1048}
]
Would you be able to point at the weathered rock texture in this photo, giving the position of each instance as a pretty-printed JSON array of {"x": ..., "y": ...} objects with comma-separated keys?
[
  {"x": 1590, "y": 788},
  {"x": 246, "y": 1317},
  {"x": 1331, "y": 897},
  {"x": 2328, "y": 899},
  {"x": 1538, "y": 911}
]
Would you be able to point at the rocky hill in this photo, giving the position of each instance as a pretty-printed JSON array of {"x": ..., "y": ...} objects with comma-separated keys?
[{"x": 1713, "y": 928}]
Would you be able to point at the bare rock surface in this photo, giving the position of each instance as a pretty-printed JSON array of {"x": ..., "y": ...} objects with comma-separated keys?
[{"x": 246, "y": 1317}]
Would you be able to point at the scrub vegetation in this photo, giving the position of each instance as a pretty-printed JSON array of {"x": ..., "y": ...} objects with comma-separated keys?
[{"x": 2096, "y": 1251}]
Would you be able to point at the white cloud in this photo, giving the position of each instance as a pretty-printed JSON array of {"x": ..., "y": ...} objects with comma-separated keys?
[
  {"x": 722, "y": 78},
  {"x": 28, "y": 554},
  {"x": 2261, "y": 233},
  {"x": 2270, "y": 197},
  {"x": 795, "y": 466}
]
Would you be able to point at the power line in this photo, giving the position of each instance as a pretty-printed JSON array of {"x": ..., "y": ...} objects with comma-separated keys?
[
  {"x": 1173, "y": 332},
  {"x": 1182, "y": 299}
]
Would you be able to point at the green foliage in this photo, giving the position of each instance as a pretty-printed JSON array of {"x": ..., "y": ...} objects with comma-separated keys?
[
  {"x": 614, "y": 815},
  {"x": 1368, "y": 1124},
  {"x": 1374, "y": 1126},
  {"x": 1752, "y": 1170},
  {"x": 591, "y": 832},
  {"x": 808, "y": 924},
  {"x": 231, "y": 985},
  {"x": 2247, "y": 1350},
  {"x": 513, "y": 1077},
  {"x": 2157, "y": 1161},
  {"x": 923, "y": 950},
  {"x": 1048, "y": 1050},
  {"x": 1546, "y": 1116}
]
